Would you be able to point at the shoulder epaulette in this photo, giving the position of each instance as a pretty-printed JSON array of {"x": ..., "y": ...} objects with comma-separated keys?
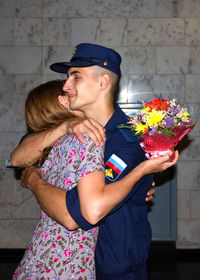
[{"x": 129, "y": 135}]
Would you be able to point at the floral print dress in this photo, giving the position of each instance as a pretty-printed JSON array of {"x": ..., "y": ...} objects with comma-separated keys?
[{"x": 54, "y": 252}]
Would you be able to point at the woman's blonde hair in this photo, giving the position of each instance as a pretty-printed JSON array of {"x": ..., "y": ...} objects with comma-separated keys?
[{"x": 43, "y": 110}]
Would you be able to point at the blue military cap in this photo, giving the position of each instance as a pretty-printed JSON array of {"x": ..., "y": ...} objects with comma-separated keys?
[{"x": 86, "y": 54}]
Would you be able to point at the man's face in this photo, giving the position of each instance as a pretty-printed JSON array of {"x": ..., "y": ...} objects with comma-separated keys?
[{"x": 81, "y": 87}]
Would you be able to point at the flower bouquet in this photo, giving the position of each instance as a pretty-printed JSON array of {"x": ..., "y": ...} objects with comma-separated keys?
[{"x": 161, "y": 124}]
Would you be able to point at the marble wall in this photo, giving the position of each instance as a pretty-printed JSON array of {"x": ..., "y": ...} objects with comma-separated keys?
[{"x": 159, "y": 42}]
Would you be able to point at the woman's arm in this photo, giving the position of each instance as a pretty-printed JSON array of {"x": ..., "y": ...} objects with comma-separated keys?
[
  {"x": 98, "y": 199},
  {"x": 29, "y": 150}
]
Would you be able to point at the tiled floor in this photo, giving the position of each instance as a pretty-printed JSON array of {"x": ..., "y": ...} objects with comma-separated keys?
[{"x": 165, "y": 263}]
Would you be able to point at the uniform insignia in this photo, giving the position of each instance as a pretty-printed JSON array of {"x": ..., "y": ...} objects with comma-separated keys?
[
  {"x": 74, "y": 52},
  {"x": 108, "y": 173},
  {"x": 116, "y": 165}
]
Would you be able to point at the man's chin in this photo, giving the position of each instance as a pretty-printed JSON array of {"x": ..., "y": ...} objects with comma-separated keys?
[{"x": 77, "y": 113}]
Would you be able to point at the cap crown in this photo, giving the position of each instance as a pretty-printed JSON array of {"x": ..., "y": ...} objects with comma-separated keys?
[{"x": 86, "y": 54}]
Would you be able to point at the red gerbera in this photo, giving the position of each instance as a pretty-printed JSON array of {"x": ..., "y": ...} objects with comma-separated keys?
[{"x": 158, "y": 104}]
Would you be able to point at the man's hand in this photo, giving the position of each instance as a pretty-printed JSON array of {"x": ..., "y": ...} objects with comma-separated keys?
[
  {"x": 159, "y": 164},
  {"x": 30, "y": 177},
  {"x": 90, "y": 127}
]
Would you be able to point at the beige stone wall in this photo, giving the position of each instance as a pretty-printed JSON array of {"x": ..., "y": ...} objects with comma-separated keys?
[{"x": 159, "y": 41}]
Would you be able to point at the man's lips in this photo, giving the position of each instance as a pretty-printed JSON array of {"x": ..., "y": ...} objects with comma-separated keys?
[{"x": 71, "y": 96}]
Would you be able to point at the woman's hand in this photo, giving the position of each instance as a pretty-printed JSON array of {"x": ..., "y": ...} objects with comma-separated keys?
[
  {"x": 90, "y": 127},
  {"x": 151, "y": 192}
]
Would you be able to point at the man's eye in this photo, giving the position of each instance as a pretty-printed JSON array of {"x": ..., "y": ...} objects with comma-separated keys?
[{"x": 76, "y": 77}]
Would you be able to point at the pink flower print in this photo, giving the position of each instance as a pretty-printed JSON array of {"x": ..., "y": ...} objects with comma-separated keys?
[
  {"x": 67, "y": 182},
  {"x": 56, "y": 143},
  {"x": 16, "y": 272},
  {"x": 70, "y": 161},
  {"x": 93, "y": 248},
  {"x": 83, "y": 238},
  {"x": 85, "y": 173},
  {"x": 52, "y": 161},
  {"x": 83, "y": 157},
  {"x": 36, "y": 233},
  {"x": 57, "y": 154},
  {"x": 48, "y": 270},
  {"x": 59, "y": 237},
  {"x": 46, "y": 171},
  {"x": 83, "y": 270},
  {"x": 81, "y": 246},
  {"x": 82, "y": 152},
  {"x": 87, "y": 259},
  {"x": 72, "y": 153},
  {"x": 95, "y": 230},
  {"x": 68, "y": 253},
  {"x": 50, "y": 182},
  {"x": 31, "y": 249},
  {"x": 74, "y": 137},
  {"x": 72, "y": 271},
  {"x": 54, "y": 245},
  {"x": 45, "y": 235},
  {"x": 55, "y": 260}
]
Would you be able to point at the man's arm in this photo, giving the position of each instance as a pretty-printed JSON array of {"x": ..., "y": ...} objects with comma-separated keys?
[
  {"x": 51, "y": 199},
  {"x": 96, "y": 199},
  {"x": 31, "y": 147}
]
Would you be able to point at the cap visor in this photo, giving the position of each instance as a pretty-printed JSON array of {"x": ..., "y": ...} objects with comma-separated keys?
[{"x": 63, "y": 67}]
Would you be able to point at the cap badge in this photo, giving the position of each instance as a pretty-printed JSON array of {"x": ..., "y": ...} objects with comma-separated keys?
[{"x": 74, "y": 52}]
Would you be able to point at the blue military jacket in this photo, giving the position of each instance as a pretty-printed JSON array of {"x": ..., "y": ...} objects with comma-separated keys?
[{"x": 125, "y": 234}]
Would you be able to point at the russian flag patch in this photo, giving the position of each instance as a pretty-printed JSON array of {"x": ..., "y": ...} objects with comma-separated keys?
[{"x": 114, "y": 167}]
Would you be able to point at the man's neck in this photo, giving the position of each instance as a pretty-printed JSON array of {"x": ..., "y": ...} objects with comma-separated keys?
[{"x": 101, "y": 114}]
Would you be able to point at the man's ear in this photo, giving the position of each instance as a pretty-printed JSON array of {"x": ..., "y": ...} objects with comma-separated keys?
[
  {"x": 63, "y": 100},
  {"x": 105, "y": 81}
]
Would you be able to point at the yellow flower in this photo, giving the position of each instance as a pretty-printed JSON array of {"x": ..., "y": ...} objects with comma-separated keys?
[
  {"x": 145, "y": 110},
  {"x": 185, "y": 119},
  {"x": 141, "y": 128},
  {"x": 154, "y": 118}
]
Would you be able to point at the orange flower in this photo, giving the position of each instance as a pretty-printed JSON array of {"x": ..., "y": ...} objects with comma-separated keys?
[{"x": 158, "y": 104}]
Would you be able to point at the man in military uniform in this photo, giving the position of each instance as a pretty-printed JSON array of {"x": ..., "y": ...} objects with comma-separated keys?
[{"x": 125, "y": 234}]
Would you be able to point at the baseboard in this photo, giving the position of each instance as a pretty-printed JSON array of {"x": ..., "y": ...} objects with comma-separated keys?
[{"x": 159, "y": 252}]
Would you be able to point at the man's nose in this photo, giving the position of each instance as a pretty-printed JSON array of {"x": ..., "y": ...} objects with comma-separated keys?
[{"x": 67, "y": 85}]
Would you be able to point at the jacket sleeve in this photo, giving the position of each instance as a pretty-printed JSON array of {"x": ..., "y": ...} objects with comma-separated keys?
[{"x": 131, "y": 154}]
